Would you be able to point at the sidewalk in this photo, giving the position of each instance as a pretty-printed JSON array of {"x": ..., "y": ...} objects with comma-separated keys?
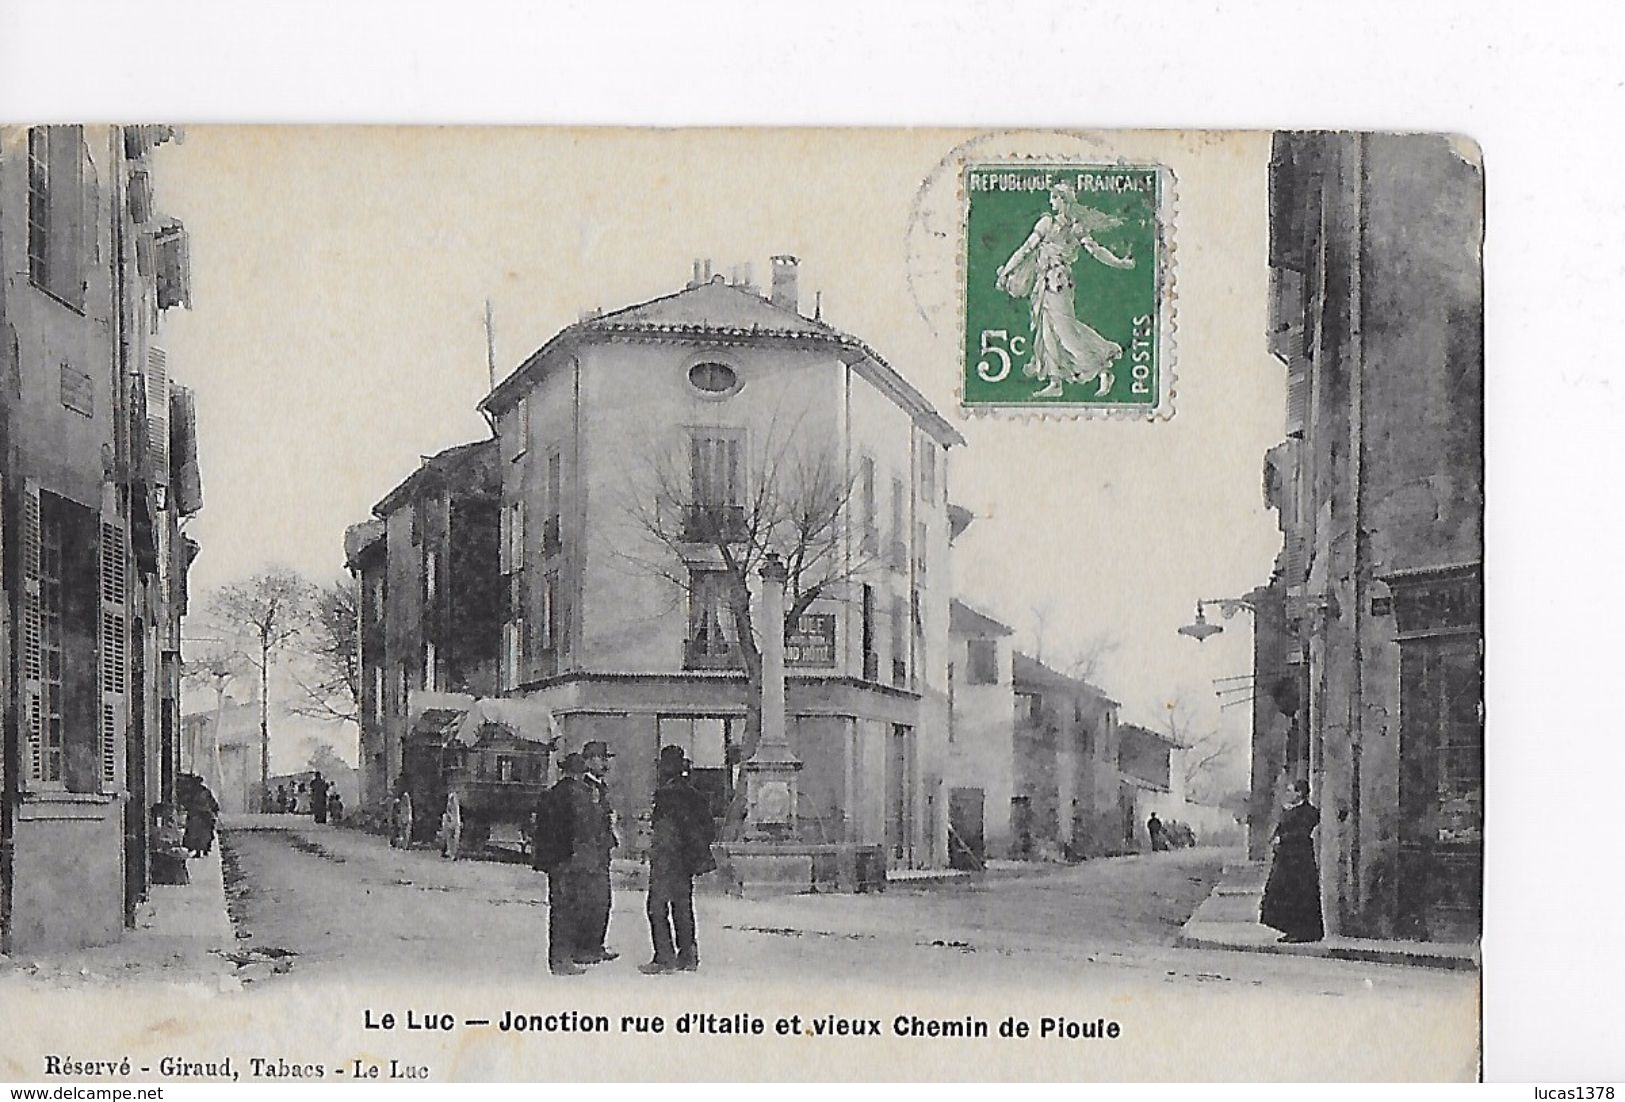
[
  {"x": 182, "y": 934},
  {"x": 1228, "y": 919}
]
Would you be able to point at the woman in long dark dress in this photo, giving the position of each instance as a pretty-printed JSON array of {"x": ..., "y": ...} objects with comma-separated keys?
[
  {"x": 202, "y": 810},
  {"x": 1292, "y": 894}
]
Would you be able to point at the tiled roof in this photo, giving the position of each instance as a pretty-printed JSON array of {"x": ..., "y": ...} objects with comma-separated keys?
[
  {"x": 965, "y": 620},
  {"x": 720, "y": 311},
  {"x": 714, "y": 307},
  {"x": 452, "y": 460},
  {"x": 1029, "y": 670}
]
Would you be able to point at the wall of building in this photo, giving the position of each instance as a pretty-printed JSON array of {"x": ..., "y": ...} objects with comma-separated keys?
[
  {"x": 74, "y": 368},
  {"x": 1381, "y": 318},
  {"x": 69, "y": 869},
  {"x": 982, "y": 750}
]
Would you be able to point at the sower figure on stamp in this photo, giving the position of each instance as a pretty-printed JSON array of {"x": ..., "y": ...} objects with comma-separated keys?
[
  {"x": 593, "y": 846},
  {"x": 552, "y": 851},
  {"x": 1292, "y": 894},
  {"x": 1040, "y": 270},
  {"x": 679, "y": 851}
]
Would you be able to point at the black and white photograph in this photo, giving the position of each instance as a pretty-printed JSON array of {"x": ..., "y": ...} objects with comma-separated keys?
[{"x": 479, "y": 598}]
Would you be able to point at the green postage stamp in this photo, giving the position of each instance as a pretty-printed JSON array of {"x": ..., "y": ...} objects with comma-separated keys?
[{"x": 1067, "y": 288}]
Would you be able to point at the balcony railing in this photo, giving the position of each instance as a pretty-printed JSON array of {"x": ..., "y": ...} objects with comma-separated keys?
[
  {"x": 710, "y": 523},
  {"x": 711, "y": 654}
]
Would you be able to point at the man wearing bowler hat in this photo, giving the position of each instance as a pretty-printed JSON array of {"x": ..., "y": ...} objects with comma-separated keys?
[
  {"x": 560, "y": 814},
  {"x": 592, "y": 852}
]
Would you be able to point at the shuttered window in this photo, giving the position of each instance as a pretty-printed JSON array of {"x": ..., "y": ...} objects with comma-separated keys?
[
  {"x": 33, "y": 629},
  {"x": 158, "y": 415},
  {"x": 113, "y": 645}
]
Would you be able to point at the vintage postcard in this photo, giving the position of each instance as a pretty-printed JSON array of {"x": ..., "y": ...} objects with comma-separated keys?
[{"x": 556, "y": 604}]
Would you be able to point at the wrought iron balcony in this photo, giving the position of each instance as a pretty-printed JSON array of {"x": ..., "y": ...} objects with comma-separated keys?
[{"x": 711, "y": 523}]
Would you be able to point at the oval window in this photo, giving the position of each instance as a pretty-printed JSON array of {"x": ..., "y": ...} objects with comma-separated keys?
[{"x": 713, "y": 378}]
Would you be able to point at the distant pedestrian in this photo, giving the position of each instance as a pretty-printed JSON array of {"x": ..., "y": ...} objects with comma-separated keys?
[
  {"x": 680, "y": 850},
  {"x": 282, "y": 798},
  {"x": 202, "y": 812},
  {"x": 335, "y": 808},
  {"x": 561, "y": 812},
  {"x": 1292, "y": 893},
  {"x": 451, "y": 827},
  {"x": 402, "y": 833},
  {"x": 593, "y": 848},
  {"x": 1153, "y": 827},
  {"x": 318, "y": 797}
]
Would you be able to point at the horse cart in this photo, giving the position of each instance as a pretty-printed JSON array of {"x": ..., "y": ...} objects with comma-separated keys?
[{"x": 475, "y": 767}]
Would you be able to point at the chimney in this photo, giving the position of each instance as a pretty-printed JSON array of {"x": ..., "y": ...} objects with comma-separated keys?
[
  {"x": 784, "y": 283},
  {"x": 696, "y": 281}
]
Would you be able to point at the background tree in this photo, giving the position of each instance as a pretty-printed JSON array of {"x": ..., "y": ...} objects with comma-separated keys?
[
  {"x": 790, "y": 497},
  {"x": 266, "y": 613},
  {"x": 1208, "y": 754},
  {"x": 330, "y": 647},
  {"x": 214, "y": 670}
]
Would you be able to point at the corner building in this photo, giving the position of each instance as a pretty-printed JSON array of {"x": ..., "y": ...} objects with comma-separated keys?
[{"x": 699, "y": 400}]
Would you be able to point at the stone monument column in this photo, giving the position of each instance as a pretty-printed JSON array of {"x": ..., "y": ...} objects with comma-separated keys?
[{"x": 770, "y": 774}]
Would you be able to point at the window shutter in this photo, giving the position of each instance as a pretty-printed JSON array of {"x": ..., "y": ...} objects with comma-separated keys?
[
  {"x": 158, "y": 414},
  {"x": 113, "y": 646},
  {"x": 32, "y": 656}
]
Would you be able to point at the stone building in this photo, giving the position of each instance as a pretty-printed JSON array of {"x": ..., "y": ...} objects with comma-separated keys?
[
  {"x": 981, "y": 735},
  {"x": 432, "y": 600},
  {"x": 648, "y": 458},
  {"x": 1369, "y": 634},
  {"x": 1066, "y": 801},
  {"x": 98, "y": 472}
]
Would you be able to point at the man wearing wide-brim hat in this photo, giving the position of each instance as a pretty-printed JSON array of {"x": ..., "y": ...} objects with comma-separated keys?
[{"x": 592, "y": 850}]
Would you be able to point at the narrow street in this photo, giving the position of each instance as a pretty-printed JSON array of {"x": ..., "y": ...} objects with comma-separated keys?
[{"x": 348, "y": 907}]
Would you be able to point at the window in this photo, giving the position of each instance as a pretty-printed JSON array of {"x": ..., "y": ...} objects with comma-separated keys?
[
  {"x": 431, "y": 576},
  {"x": 951, "y": 701},
  {"x": 1030, "y": 707},
  {"x": 983, "y": 655},
  {"x": 928, "y": 471},
  {"x": 516, "y": 537},
  {"x": 716, "y": 511},
  {"x": 431, "y": 667},
  {"x": 899, "y": 531},
  {"x": 73, "y": 640},
  {"x": 714, "y": 456},
  {"x": 712, "y": 640},
  {"x": 714, "y": 380},
  {"x": 513, "y": 633},
  {"x": 53, "y": 643},
  {"x": 871, "y": 660},
  {"x": 521, "y": 417},
  {"x": 56, "y": 212},
  {"x": 899, "y": 644},
  {"x": 555, "y": 493},
  {"x": 377, "y": 693},
  {"x": 871, "y": 524},
  {"x": 919, "y": 546},
  {"x": 550, "y": 611}
]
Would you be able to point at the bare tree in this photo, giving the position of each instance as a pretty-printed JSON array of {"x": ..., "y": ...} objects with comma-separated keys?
[
  {"x": 707, "y": 520},
  {"x": 330, "y": 648},
  {"x": 1087, "y": 660},
  {"x": 267, "y": 612},
  {"x": 1207, "y": 753}
]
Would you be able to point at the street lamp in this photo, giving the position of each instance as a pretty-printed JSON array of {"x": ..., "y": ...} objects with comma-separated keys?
[{"x": 1201, "y": 630}]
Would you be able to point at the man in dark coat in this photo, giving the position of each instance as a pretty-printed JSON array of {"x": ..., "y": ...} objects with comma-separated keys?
[
  {"x": 561, "y": 815},
  {"x": 593, "y": 846},
  {"x": 1153, "y": 827},
  {"x": 318, "y": 797},
  {"x": 680, "y": 849}
]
